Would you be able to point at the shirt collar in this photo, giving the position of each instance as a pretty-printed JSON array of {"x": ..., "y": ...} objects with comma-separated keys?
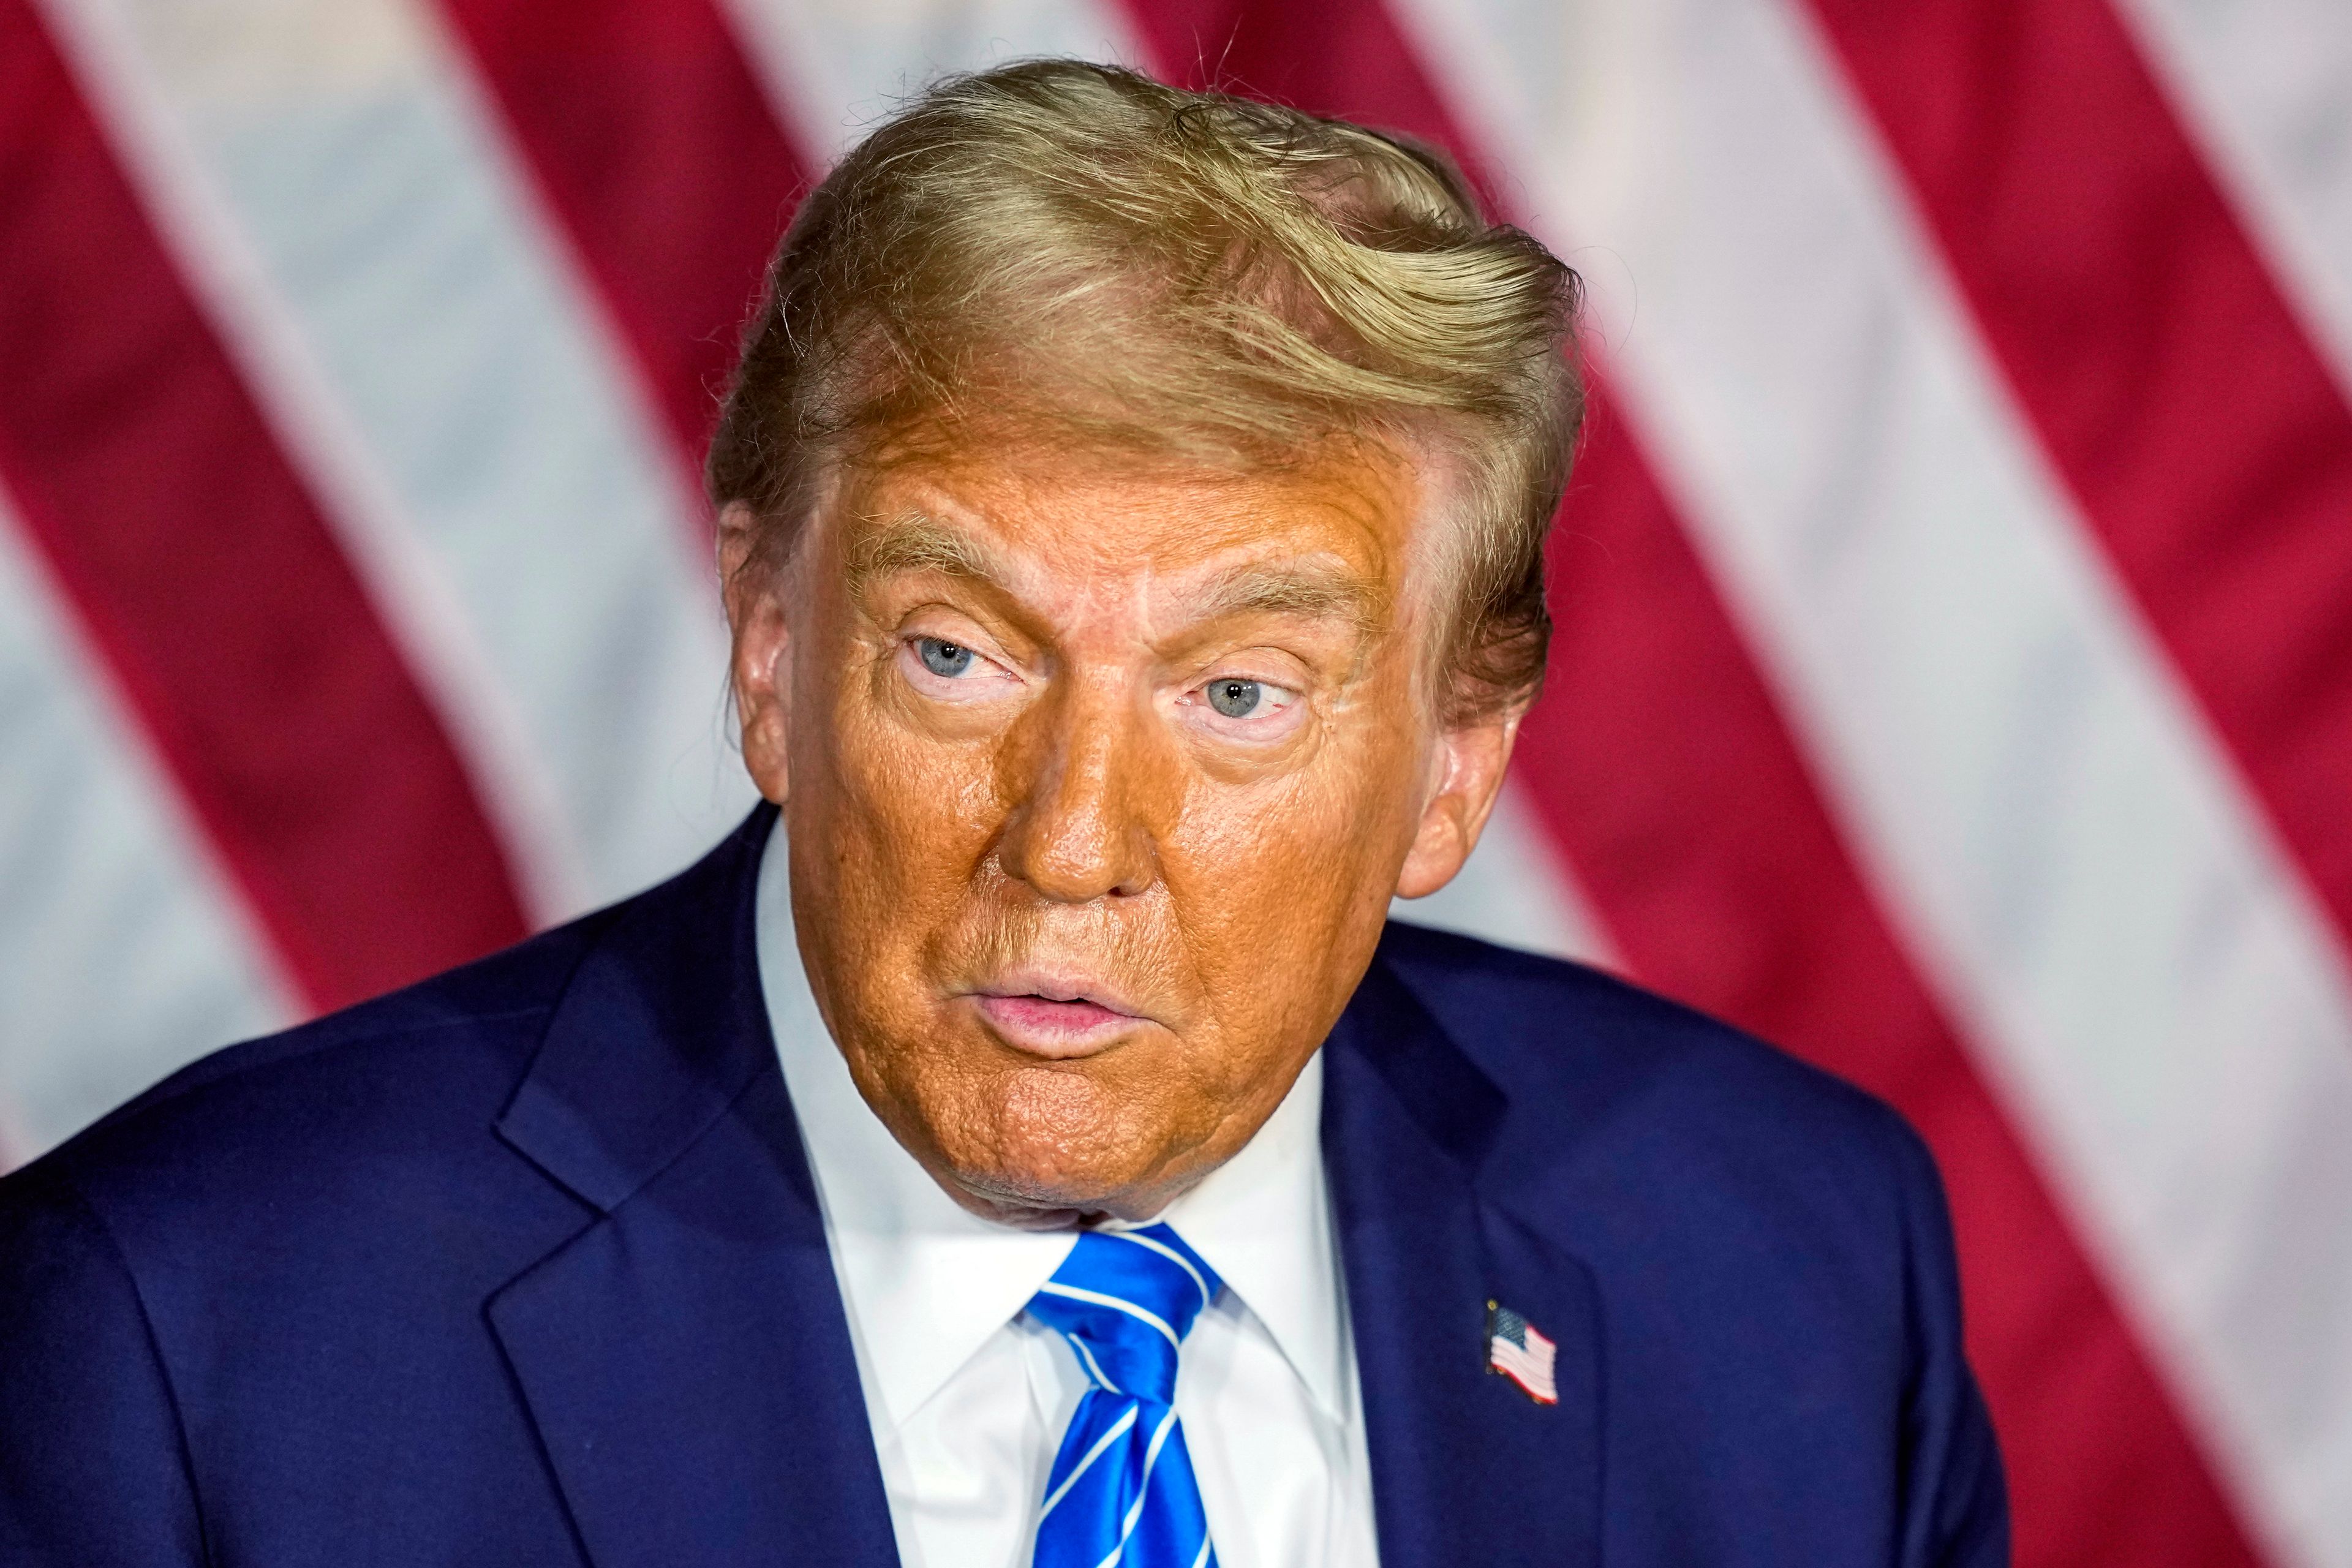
[
  {"x": 926, "y": 1282},
  {"x": 1262, "y": 1221}
]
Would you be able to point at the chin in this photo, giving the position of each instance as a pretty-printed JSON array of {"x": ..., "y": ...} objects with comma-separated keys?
[
  {"x": 1009, "y": 1199},
  {"x": 1059, "y": 1178},
  {"x": 1056, "y": 1148}
]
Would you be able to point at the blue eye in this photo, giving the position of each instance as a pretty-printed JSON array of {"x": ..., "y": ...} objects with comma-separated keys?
[
  {"x": 943, "y": 658},
  {"x": 1236, "y": 699}
]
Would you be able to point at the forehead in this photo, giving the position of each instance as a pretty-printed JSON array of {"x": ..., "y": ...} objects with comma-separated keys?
[{"x": 1045, "y": 513}]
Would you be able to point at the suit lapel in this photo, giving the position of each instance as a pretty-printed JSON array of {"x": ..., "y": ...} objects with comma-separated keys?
[
  {"x": 1465, "y": 1468},
  {"x": 686, "y": 1357}
]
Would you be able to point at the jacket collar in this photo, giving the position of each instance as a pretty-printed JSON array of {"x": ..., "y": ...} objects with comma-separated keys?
[
  {"x": 659, "y": 1031},
  {"x": 688, "y": 1363},
  {"x": 685, "y": 1357}
]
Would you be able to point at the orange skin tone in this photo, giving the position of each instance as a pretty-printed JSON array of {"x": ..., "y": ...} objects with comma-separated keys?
[{"x": 1075, "y": 927}]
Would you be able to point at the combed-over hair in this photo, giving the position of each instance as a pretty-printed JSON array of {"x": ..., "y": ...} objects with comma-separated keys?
[{"x": 1080, "y": 253}]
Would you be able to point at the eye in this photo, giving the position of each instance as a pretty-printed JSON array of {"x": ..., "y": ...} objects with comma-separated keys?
[
  {"x": 1236, "y": 699},
  {"x": 1247, "y": 708},
  {"x": 945, "y": 670},
  {"x": 943, "y": 658}
]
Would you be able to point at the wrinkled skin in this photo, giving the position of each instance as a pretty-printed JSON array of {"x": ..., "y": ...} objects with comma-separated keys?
[{"x": 1097, "y": 785}]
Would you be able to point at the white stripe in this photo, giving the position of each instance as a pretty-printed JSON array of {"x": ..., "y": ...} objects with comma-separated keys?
[
  {"x": 1539, "y": 1356},
  {"x": 2068, "y": 851},
  {"x": 125, "y": 950},
  {"x": 219, "y": 263},
  {"x": 1098, "y": 1299},
  {"x": 1126, "y": 1420},
  {"x": 1534, "y": 1371},
  {"x": 1203, "y": 1557},
  {"x": 2266, "y": 86},
  {"x": 836, "y": 66},
  {"x": 1169, "y": 1253},
  {"x": 419, "y": 335},
  {"x": 1142, "y": 1489},
  {"x": 1093, "y": 1368}
]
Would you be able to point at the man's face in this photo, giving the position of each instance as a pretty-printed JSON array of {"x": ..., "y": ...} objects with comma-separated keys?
[{"x": 1097, "y": 785}]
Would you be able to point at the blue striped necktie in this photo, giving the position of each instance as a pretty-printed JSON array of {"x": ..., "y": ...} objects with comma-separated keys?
[{"x": 1122, "y": 1489}]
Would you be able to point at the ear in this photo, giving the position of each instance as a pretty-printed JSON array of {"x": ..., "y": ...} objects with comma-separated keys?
[
  {"x": 1465, "y": 775},
  {"x": 759, "y": 671}
]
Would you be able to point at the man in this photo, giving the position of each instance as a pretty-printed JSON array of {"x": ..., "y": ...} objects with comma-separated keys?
[{"x": 1040, "y": 1151}]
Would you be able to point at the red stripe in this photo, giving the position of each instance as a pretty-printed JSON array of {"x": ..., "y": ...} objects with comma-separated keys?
[
  {"x": 209, "y": 580},
  {"x": 662, "y": 157},
  {"x": 2200, "y": 430},
  {"x": 1706, "y": 846}
]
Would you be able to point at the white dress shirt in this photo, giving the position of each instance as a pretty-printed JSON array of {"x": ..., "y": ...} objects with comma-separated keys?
[{"x": 969, "y": 1396}]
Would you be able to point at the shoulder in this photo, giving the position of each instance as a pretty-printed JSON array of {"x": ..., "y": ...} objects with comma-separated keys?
[
  {"x": 214, "y": 1278},
  {"x": 1771, "y": 1261},
  {"x": 372, "y": 1095},
  {"x": 1545, "y": 1023},
  {"x": 1623, "y": 1099},
  {"x": 1750, "y": 1222}
]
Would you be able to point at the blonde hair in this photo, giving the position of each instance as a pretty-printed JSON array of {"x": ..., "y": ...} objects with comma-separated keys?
[{"x": 1083, "y": 253}]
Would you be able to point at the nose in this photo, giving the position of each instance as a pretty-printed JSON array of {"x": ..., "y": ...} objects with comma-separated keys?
[{"x": 1077, "y": 831}]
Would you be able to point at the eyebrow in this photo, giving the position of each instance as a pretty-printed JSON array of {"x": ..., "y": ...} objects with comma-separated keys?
[
  {"x": 916, "y": 542},
  {"x": 1312, "y": 592}
]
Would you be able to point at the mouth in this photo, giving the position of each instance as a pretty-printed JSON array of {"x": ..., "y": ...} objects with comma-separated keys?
[{"x": 1055, "y": 1016}]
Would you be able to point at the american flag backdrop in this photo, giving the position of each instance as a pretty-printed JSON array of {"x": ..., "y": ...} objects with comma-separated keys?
[{"x": 1954, "y": 672}]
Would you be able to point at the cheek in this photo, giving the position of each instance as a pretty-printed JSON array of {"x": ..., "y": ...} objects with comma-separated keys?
[
  {"x": 918, "y": 810},
  {"x": 888, "y": 829},
  {"x": 1345, "y": 810},
  {"x": 1280, "y": 888}
]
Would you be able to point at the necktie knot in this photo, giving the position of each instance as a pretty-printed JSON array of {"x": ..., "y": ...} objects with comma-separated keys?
[
  {"x": 1125, "y": 1299},
  {"x": 1122, "y": 1489}
]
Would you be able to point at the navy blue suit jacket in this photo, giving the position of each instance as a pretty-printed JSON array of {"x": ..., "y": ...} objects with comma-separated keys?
[{"x": 523, "y": 1265}]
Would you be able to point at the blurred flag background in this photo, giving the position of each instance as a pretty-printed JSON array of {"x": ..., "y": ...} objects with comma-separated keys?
[{"x": 1954, "y": 675}]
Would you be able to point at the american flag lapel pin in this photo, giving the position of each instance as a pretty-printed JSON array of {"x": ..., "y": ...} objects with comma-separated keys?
[{"x": 1519, "y": 1353}]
